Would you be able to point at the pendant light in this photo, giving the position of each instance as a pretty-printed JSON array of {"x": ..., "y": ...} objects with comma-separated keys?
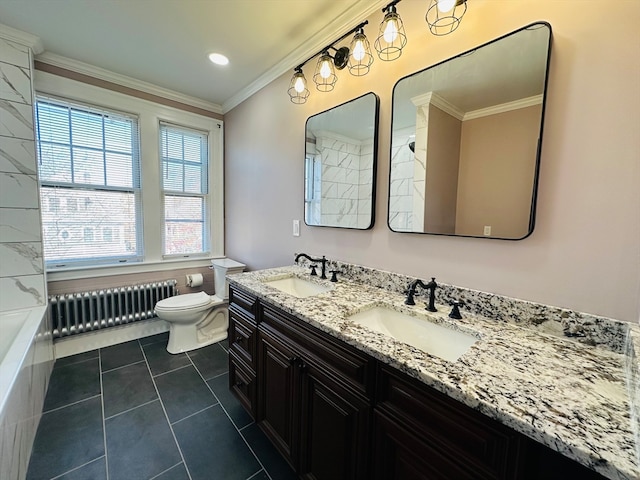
[
  {"x": 444, "y": 16},
  {"x": 361, "y": 59},
  {"x": 325, "y": 77},
  {"x": 391, "y": 39},
  {"x": 298, "y": 91}
]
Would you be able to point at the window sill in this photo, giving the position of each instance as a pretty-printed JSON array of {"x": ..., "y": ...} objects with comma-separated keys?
[{"x": 143, "y": 267}]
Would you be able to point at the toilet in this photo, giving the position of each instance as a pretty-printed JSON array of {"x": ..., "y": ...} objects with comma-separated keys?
[{"x": 198, "y": 319}]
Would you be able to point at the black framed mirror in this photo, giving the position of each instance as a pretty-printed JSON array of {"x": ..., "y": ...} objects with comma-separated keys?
[
  {"x": 466, "y": 137},
  {"x": 340, "y": 165}
]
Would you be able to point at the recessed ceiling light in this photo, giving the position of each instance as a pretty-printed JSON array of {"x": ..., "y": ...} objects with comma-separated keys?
[{"x": 218, "y": 58}]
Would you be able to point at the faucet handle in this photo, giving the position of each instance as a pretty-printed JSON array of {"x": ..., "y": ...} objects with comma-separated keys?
[
  {"x": 334, "y": 273},
  {"x": 455, "y": 311},
  {"x": 313, "y": 270}
]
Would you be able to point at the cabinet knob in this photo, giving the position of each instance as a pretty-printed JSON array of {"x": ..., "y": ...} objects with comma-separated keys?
[
  {"x": 293, "y": 360},
  {"x": 238, "y": 339}
]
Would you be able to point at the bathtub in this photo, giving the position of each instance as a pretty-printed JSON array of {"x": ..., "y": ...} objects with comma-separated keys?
[{"x": 26, "y": 360}]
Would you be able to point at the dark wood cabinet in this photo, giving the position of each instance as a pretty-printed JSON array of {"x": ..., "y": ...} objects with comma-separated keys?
[{"x": 336, "y": 413}]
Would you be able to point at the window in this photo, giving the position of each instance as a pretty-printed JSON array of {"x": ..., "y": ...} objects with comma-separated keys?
[
  {"x": 88, "y": 156},
  {"x": 184, "y": 163}
]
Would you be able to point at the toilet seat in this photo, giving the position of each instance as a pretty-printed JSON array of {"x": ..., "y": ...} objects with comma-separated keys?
[{"x": 189, "y": 301}]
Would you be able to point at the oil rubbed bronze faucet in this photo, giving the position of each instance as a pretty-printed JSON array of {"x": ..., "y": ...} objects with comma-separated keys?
[
  {"x": 431, "y": 286},
  {"x": 323, "y": 260}
]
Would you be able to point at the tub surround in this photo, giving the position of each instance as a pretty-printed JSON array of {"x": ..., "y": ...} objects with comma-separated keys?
[
  {"x": 25, "y": 369},
  {"x": 529, "y": 370}
]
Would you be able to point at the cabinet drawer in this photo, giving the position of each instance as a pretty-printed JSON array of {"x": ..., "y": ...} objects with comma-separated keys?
[
  {"x": 483, "y": 445},
  {"x": 242, "y": 336},
  {"x": 242, "y": 382},
  {"x": 352, "y": 366},
  {"x": 239, "y": 299}
]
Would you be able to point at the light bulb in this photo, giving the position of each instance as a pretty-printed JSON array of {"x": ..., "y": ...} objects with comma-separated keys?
[
  {"x": 358, "y": 50},
  {"x": 391, "y": 30},
  {"x": 446, "y": 5},
  {"x": 325, "y": 69},
  {"x": 299, "y": 85}
]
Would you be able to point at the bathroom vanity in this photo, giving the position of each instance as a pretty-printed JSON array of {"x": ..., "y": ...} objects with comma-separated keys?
[{"x": 340, "y": 400}]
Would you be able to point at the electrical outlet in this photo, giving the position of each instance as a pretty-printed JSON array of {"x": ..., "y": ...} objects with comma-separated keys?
[
  {"x": 296, "y": 228},
  {"x": 487, "y": 230}
]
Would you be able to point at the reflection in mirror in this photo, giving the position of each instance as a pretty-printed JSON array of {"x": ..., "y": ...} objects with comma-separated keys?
[
  {"x": 466, "y": 137},
  {"x": 340, "y": 165}
]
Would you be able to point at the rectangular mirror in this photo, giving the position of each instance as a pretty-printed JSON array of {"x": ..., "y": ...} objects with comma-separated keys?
[
  {"x": 465, "y": 142},
  {"x": 340, "y": 165}
]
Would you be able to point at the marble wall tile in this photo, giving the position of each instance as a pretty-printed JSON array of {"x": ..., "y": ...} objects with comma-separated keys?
[
  {"x": 14, "y": 54},
  {"x": 22, "y": 292},
  {"x": 18, "y": 191},
  {"x": 17, "y": 156},
  {"x": 24, "y": 258},
  {"x": 16, "y": 120},
  {"x": 20, "y": 225},
  {"x": 15, "y": 83}
]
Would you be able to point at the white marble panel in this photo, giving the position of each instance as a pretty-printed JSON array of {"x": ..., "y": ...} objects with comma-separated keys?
[
  {"x": 352, "y": 177},
  {"x": 329, "y": 190},
  {"x": 15, "y": 83},
  {"x": 367, "y": 148},
  {"x": 349, "y": 160},
  {"x": 400, "y": 187},
  {"x": 22, "y": 292},
  {"x": 23, "y": 258},
  {"x": 17, "y": 156},
  {"x": 347, "y": 190},
  {"x": 329, "y": 157},
  {"x": 353, "y": 149},
  {"x": 366, "y": 177},
  {"x": 400, "y": 204},
  {"x": 364, "y": 207},
  {"x": 14, "y": 54},
  {"x": 363, "y": 220},
  {"x": 16, "y": 120},
  {"x": 365, "y": 191},
  {"x": 18, "y": 190},
  {"x": 333, "y": 174},
  {"x": 19, "y": 225}
]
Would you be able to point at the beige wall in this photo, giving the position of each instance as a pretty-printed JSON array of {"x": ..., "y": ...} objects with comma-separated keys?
[
  {"x": 443, "y": 157},
  {"x": 584, "y": 253},
  {"x": 497, "y": 166}
]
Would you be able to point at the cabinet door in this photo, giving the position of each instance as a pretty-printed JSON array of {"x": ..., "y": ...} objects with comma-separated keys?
[
  {"x": 334, "y": 428},
  {"x": 276, "y": 377},
  {"x": 242, "y": 383},
  {"x": 400, "y": 455}
]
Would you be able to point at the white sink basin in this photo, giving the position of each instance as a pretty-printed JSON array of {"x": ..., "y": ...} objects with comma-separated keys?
[
  {"x": 422, "y": 334},
  {"x": 297, "y": 287}
]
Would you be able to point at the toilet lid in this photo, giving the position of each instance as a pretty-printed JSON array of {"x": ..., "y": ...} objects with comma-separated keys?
[{"x": 189, "y": 300}]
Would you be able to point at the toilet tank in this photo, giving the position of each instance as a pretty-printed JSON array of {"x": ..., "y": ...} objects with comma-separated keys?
[{"x": 221, "y": 268}]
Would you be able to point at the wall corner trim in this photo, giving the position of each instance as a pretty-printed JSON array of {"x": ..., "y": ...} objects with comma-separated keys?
[{"x": 23, "y": 38}]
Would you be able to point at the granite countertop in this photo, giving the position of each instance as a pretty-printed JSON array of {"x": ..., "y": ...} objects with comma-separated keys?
[{"x": 566, "y": 395}]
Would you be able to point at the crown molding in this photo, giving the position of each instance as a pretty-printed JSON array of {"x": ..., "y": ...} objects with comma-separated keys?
[
  {"x": 504, "y": 107},
  {"x": 102, "y": 74},
  {"x": 343, "y": 23},
  {"x": 431, "y": 98},
  {"x": 23, "y": 38}
]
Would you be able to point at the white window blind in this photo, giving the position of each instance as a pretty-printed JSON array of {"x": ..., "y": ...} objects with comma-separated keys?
[
  {"x": 89, "y": 171},
  {"x": 185, "y": 165}
]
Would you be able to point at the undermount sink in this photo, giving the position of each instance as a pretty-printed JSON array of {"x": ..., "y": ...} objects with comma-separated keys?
[
  {"x": 422, "y": 334},
  {"x": 297, "y": 287}
]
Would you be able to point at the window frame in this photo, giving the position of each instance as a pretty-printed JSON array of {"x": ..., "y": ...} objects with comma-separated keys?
[{"x": 149, "y": 114}]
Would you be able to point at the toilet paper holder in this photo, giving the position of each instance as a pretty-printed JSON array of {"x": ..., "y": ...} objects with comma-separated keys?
[{"x": 194, "y": 280}]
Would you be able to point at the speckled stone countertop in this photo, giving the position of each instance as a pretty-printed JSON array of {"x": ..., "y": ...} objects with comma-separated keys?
[{"x": 572, "y": 397}]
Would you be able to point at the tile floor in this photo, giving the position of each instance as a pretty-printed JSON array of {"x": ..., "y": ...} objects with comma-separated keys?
[{"x": 135, "y": 412}]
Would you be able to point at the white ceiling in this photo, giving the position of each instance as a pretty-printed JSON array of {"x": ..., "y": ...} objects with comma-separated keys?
[{"x": 166, "y": 42}]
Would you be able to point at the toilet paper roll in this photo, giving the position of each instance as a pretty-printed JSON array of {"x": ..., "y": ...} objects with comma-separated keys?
[{"x": 194, "y": 280}]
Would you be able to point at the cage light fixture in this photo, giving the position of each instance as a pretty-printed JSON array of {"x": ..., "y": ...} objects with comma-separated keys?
[
  {"x": 361, "y": 58},
  {"x": 298, "y": 91},
  {"x": 391, "y": 38},
  {"x": 325, "y": 76},
  {"x": 444, "y": 16}
]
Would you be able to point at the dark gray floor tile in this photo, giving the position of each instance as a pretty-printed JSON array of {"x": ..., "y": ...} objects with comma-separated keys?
[
  {"x": 220, "y": 386},
  {"x": 273, "y": 462},
  {"x": 120, "y": 355},
  {"x": 160, "y": 337},
  {"x": 80, "y": 357},
  {"x": 183, "y": 393},
  {"x": 140, "y": 444},
  {"x": 73, "y": 383},
  {"x": 127, "y": 387},
  {"x": 67, "y": 438},
  {"x": 176, "y": 473},
  {"x": 212, "y": 447},
  {"x": 210, "y": 361},
  {"x": 96, "y": 470},
  {"x": 261, "y": 475},
  {"x": 161, "y": 361}
]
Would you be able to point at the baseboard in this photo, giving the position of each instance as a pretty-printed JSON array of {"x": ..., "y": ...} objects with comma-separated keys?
[{"x": 85, "y": 342}]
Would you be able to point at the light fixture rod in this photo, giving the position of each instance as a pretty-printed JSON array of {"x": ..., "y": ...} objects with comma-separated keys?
[
  {"x": 389, "y": 5},
  {"x": 353, "y": 30}
]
